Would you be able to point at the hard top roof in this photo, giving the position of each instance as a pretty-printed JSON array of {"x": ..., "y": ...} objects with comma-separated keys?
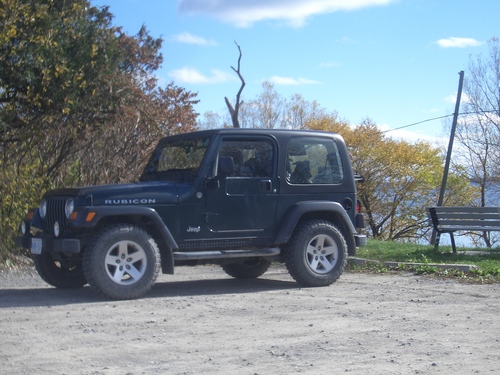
[{"x": 278, "y": 133}]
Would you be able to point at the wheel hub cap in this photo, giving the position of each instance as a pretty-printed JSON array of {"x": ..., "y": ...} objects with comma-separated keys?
[
  {"x": 125, "y": 262},
  {"x": 322, "y": 254}
]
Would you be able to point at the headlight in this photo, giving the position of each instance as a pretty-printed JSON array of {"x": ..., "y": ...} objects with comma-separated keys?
[
  {"x": 24, "y": 228},
  {"x": 43, "y": 208},
  {"x": 69, "y": 207}
]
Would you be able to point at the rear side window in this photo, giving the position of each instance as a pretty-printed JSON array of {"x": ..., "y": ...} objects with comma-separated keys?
[{"x": 312, "y": 160}]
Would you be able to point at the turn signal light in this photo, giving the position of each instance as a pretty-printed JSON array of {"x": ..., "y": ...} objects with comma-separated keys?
[{"x": 90, "y": 217}]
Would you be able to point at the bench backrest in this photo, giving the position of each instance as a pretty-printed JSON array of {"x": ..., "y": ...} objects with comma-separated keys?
[{"x": 465, "y": 218}]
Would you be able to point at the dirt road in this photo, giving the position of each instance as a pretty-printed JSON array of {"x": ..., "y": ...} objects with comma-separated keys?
[{"x": 200, "y": 321}]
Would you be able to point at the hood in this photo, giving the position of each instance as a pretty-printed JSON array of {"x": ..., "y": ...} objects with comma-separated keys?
[{"x": 141, "y": 193}]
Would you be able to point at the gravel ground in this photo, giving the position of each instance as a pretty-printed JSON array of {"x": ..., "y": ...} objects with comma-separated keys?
[{"x": 200, "y": 321}]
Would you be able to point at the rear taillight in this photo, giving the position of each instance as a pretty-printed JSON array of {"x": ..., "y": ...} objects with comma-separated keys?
[{"x": 360, "y": 218}]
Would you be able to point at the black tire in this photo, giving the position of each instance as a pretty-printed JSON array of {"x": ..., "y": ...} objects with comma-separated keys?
[
  {"x": 316, "y": 254},
  {"x": 66, "y": 273},
  {"x": 250, "y": 268},
  {"x": 122, "y": 262}
]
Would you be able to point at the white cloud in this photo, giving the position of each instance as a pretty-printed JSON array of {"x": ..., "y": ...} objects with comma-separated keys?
[
  {"x": 244, "y": 13},
  {"x": 188, "y": 38},
  {"x": 465, "y": 98},
  {"x": 193, "y": 76},
  {"x": 458, "y": 42},
  {"x": 288, "y": 81},
  {"x": 452, "y": 98}
]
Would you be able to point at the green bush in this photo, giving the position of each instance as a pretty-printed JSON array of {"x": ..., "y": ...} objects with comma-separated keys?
[{"x": 19, "y": 191}]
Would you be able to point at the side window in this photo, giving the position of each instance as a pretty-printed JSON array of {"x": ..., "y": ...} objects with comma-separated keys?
[
  {"x": 313, "y": 161},
  {"x": 251, "y": 158}
]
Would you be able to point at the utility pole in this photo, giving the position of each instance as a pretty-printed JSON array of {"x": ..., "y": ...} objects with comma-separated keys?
[{"x": 448, "y": 155}]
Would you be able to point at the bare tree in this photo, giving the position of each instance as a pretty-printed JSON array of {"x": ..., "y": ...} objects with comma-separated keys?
[
  {"x": 268, "y": 110},
  {"x": 233, "y": 111},
  {"x": 478, "y": 132}
]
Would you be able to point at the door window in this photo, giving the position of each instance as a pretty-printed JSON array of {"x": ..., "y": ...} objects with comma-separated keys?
[{"x": 251, "y": 158}]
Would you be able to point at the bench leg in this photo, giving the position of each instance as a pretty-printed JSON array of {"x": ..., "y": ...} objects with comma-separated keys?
[
  {"x": 436, "y": 241},
  {"x": 452, "y": 238}
]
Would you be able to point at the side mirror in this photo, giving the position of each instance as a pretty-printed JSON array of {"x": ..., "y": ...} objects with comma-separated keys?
[{"x": 226, "y": 166}]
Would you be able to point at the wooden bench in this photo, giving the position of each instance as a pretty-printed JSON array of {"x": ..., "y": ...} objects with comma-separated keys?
[{"x": 469, "y": 219}]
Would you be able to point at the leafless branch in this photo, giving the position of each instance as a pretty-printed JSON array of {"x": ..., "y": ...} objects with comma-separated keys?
[{"x": 235, "y": 110}]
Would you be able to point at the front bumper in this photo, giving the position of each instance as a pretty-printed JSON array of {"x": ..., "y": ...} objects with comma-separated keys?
[{"x": 51, "y": 244}]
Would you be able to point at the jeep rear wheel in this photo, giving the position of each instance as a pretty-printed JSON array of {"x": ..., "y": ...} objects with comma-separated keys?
[
  {"x": 122, "y": 262},
  {"x": 65, "y": 273},
  {"x": 316, "y": 254},
  {"x": 248, "y": 269}
]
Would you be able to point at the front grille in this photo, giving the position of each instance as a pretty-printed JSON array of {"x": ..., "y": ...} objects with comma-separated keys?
[{"x": 55, "y": 212}]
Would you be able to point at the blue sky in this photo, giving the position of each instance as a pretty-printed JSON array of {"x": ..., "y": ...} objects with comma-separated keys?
[{"x": 394, "y": 61}]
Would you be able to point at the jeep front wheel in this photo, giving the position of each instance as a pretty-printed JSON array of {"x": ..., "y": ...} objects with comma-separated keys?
[
  {"x": 122, "y": 262},
  {"x": 316, "y": 254},
  {"x": 248, "y": 269}
]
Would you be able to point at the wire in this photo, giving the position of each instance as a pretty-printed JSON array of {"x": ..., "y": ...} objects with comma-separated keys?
[
  {"x": 437, "y": 118},
  {"x": 416, "y": 123}
]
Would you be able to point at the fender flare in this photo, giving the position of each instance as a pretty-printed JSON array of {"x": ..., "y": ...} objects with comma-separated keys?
[
  {"x": 299, "y": 209},
  {"x": 102, "y": 212}
]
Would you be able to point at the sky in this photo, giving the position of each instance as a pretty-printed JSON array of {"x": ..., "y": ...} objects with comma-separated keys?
[{"x": 396, "y": 62}]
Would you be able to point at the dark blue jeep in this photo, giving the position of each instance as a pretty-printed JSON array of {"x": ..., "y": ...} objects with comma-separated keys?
[{"x": 241, "y": 198}]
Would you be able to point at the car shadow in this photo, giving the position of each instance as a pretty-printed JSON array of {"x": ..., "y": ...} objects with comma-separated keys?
[
  {"x": 218, "y": 286},
  {"x": 49, "y": 296}
]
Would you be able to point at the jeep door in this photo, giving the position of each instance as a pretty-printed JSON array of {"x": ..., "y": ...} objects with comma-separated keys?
[{"x": 242, "y": 201}]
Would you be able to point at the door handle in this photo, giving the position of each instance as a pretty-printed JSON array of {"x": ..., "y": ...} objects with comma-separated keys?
[{"x": 265, "y": 185}]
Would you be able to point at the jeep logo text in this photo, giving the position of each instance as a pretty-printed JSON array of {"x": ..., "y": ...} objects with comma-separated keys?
[{"x": 130, "y": 201}]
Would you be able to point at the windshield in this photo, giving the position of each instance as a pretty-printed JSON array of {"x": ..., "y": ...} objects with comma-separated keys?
[{"x": 176, "y": 160}]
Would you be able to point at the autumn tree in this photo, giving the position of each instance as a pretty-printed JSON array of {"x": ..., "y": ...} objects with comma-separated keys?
[
  {"x": 79, "y": 102},
  {"x": 56, "y": 67},
  {"x": 300, "y": 111},
  {"x": 124, "y": 149},
  {"x": 401, "y": 179}
]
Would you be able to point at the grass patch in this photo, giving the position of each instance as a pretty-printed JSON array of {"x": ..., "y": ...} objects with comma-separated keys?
[
  {"x": 487, "y": 261},
  {"x": 422, "y": 259}
]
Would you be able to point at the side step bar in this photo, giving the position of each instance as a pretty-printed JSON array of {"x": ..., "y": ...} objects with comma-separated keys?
[{"x": 226, "y": 254}]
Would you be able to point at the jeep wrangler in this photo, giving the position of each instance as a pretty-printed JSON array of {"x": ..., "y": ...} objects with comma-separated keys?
[{"x": 240, "y": 198}]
